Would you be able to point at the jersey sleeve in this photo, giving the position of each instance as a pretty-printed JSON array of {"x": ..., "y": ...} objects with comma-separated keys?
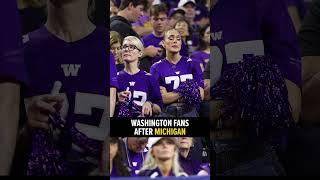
[
  {"x": 11, "y": 52},
  {"x": 113, "y": 73},
  {"x": 155, "y": 74},
  {"x": 197, "y": 73},
  {"x": 155, "y": 97},
  {"x": 280, "y": 38}
]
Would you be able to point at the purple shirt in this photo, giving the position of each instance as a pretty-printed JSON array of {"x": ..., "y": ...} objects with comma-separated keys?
[
  {"x": 81, "y": 67},
  {"x": 255, "y": 27},
  {"x": 113, "y": 72},
  {"x": 151, "y": 39},
  {"x": 142, "y": 85},
  {"x": 114, "y": 172},
  {"x": 11, "y": 53},
  {"x": 201, "y": 57},
  {"x": 189, "y": 166},
  {"x": 169, "y": 75},
  {"x": 136, "y": 161}
]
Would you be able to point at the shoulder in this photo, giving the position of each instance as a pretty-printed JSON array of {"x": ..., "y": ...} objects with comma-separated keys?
[
  {"x": 196, "y": 53},
  {"x": 158, "y": 64},
  {"x": 149, "y": 172},
  {"x": 121, "y": 74},
  {"x": 38, "y": 36},
  {"x": 148, "y": 36}
]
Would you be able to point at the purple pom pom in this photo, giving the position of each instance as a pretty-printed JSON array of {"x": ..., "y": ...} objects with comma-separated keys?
[
  {"x": 256, "y": 89},
  {"x": 189, "y": 90},
  {"x": 129, "y": 109},
  {"x": 46, "y": 159}
]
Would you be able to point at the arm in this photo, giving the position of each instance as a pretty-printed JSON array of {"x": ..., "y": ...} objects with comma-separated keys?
[
  {"x": 9, "y": 111},
  {"x": 206, "y": 90},
  {"x": 309, "y": 40},
  {"x": 168, "y": 97},
  {"x": 294, "y": 97},
  {"x": 201, "y": 93},
  {"x": 113, "y": 93},
  {"x": 293, "y": 12}
]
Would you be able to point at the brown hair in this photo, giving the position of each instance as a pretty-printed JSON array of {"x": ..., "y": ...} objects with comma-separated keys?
[{"x": 155, "y": 10}]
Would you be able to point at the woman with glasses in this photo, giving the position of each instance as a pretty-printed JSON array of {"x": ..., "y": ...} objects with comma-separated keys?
[
  {"x": 180, "y": 79},
  {"x": 139, "y": 92}
]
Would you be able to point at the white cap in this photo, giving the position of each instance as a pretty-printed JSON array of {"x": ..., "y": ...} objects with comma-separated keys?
[
  {"x": 184, "y": 2},
  {"x": 153, "y": 140}
]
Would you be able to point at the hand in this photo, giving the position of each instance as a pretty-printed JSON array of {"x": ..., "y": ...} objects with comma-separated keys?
[
  {"x": 152, "y": 51},
  {"x": 203, "y": 173},
  {"x": 147, "y": 109},
  {"x": 122, "y": 96},
  {"x": 39, "y": 109}
]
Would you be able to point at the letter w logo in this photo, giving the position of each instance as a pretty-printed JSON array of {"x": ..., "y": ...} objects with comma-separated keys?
[
  {"x": 70, "y": 69},
  {"x": 132, "y": 83},
  {"x": 216, "y": 35}
]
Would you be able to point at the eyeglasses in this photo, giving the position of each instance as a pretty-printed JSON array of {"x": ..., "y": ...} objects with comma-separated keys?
[{"x": 130, "y": 47}]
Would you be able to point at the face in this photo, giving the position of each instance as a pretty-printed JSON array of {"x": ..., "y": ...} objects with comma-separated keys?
[
  {"x": 185, "y": 142},
  {"x": 136, "y": 12},
  {"x": 130, "y": 52},
  {"x": 113, "y": 9},
  {"x": 183, "y": 28},
  {"x": 172, "y": 41},
  {"x": 136, "y": 144},
  {"x": 116, "y": 50},
  {"x": 159, "y": 22},
  {"x": 164, "y": 150},
  {"x": 190, "y": 10},
  {"x": 206, "y": 37},
  {"x": 175, "y": 18},
  {"x": 113, "y": 150}
]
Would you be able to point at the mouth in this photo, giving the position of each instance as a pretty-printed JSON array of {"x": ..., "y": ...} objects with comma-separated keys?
[
  {"x": 125, "y": 55},
  {"x": 175, "y": 46}
]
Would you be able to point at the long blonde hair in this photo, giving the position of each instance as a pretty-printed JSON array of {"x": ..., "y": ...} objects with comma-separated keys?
[{"x": 150, "y": 163}]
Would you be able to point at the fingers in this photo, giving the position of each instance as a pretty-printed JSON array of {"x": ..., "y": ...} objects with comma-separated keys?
[
  {"x": 37, "y": 119},
  {"x": 43, "y": 106},
  {"x": 40, "y": 108},
  {"x": 147, "y": 109},
  {"x": 124, "y": 95}
]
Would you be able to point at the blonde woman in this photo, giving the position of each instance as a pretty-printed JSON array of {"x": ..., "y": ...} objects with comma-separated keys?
[
  {"x": 139, "y": 93},
  {"x": 115, "y": 48},
  {"x": 162, "y": 159}
]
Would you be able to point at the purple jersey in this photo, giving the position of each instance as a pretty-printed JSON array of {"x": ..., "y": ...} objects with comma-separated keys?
[
  {"x": 259, "y": 27},
  {"x": 170, "y": 75},
  {"x": 201, "y": 57},
  {"x": 113, "y": 72},
  {"x": 142, "y": 85},
  {"x": 11, "y": 54},
  {"x": 81, "y": 67},
  {"x": 151, "y": 39},
  {"x": 136, "y": 161}
]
